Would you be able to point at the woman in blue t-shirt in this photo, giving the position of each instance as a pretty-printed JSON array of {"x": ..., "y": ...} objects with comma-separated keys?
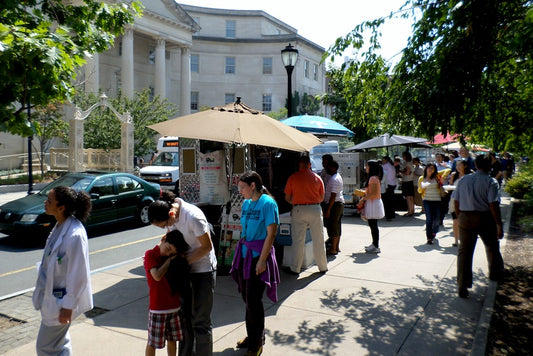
[{"x": 254, "y": 264}]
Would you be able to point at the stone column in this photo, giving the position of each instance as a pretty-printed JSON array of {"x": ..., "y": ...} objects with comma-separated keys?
[
  {"x": 126, "y": 146},
  {"x": 75, "y": 146},
  {"x": 127, "y": 63},
  {"x": 160, "y": 87},
  {"x": 185, "y": 87},
  {"x": 92, "y": 74}
]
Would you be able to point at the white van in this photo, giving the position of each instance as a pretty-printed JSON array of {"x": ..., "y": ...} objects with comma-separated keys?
[
  {"x": 316, "y": 153},
  {"x": 165, "y": 168}
]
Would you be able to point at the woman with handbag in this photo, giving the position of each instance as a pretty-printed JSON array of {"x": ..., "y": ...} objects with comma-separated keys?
[
  {"x": 430, "y": 187},
  {"x": 373, "y": 209}
]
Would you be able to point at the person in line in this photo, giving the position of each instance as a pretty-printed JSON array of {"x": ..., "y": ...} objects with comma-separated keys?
[
  {"x": 496, "y": 170},
  {"x": 388, "y": 197},
  {"x": 63, "y": 288},
  {"x": 175, "y": 214},
  {"x": 430, "y": 186},
  {"x": 464, "y": 154},
  {"x": 254, "y": 266},
  {"x": 305, "y": 191},
  {"x": 418, "y": 171},
  {"x": 373, "y": 205},
  {"x": 477, "y": 205},
  {"x": 408, "y": 190},
  {"x": 163, "y": 317},
  {"x": 462, "y": 170},
  {"x": 442, "y": 165},
  {"x": 326, "y": 160},
  {"x": 333, "y": 207}
]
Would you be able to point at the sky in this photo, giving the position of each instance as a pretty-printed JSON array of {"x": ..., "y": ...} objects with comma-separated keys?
[{"x": 324, "y": 23}]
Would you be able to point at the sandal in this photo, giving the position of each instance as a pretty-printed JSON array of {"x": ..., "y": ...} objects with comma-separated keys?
[{"x": 241, "y": 344}]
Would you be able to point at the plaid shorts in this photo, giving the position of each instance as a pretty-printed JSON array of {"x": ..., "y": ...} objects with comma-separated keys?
[{"x": 163, "y": 327}]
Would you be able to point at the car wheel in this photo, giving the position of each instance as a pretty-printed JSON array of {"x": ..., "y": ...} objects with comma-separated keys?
[{"x": 143, "y": 214}]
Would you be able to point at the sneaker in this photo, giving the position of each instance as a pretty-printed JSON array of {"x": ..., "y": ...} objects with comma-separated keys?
[
  {"x": 369, "y": 246},
  {"x": 257, "y": 352},
  {"x": 373, "y": 249}
]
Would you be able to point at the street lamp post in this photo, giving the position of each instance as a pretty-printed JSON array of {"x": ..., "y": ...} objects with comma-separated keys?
[{"x": 289, "y": 56}]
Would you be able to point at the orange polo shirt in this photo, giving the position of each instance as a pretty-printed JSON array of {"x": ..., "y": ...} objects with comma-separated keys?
[{"x": 305, "y": 187}]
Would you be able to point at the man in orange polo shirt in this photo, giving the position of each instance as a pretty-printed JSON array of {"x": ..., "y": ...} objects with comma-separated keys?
[{"x": 305, "y": 191}]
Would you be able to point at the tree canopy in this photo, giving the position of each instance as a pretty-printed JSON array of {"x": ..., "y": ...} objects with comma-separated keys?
[
  {"x": 467, "y": 69},
  {"x": 43, "y": 43}
]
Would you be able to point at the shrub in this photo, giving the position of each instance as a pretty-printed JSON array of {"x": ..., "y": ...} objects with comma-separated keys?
[{"x": 521, "y": 185}]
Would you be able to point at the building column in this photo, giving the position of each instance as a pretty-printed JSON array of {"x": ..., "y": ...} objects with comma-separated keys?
[
  {"x": 92, "y": 73},
  {"x": 185, "y": 85},
  {"x": 160, "y": 69},
  {"x": 127, "y": 63}
]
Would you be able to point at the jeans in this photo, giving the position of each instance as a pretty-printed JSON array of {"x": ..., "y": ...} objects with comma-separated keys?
[
  {"x": 432, "y": 210},
  {"x": 196, "y": 316}
]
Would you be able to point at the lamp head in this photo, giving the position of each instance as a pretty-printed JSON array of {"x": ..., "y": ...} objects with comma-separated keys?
[{"x": 289, "y": 56}]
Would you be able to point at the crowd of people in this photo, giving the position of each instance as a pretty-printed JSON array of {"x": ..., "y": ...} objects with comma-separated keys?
[{"x": 181, "y": 269}]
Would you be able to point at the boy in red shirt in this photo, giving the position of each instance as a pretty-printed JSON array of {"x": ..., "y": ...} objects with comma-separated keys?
[{"x": 163, "y": 319}]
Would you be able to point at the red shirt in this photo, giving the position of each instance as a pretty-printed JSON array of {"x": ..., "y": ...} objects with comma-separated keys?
[
  {"x": 306, "y": 187},
  {"x": 161, "y": 297}
]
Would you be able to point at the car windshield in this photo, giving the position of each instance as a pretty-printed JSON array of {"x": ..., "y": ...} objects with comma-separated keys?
[
  {"x": 78, "y": 183},
  {"x": 167, "y": 159}
]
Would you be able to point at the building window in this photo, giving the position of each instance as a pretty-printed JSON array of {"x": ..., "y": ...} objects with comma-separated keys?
[
  {"x": 306, "y": 69},
  {"x": 195, "y": 63},
  {"x": 229, "y": 98},
  {"x": 151, "y": 56},
  {"x": 267, "y": 65},
  {"x": 315, "y": 72},
  {"x": 267, "y": 102},
  {"x": 194, "y": 100},
  {"x": 230, "y": 65},
  {"x": 230, "y": 28}
]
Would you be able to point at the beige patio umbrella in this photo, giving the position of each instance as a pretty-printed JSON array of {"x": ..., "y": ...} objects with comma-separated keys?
[{"x": 239, "y": 124}]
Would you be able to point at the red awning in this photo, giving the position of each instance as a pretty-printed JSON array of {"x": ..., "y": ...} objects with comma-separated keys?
[{"x": 441, "y": 139}]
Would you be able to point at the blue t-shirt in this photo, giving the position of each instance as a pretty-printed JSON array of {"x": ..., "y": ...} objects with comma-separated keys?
[{"x": 255, "y": 217}]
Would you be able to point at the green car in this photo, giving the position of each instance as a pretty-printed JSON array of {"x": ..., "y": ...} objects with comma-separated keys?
[{"x": 115, "y": 197}]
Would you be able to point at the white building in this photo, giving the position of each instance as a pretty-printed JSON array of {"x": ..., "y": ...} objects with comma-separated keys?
[
  {"x": 200, "y": 57},
  {"x": 237, "y": 53}
]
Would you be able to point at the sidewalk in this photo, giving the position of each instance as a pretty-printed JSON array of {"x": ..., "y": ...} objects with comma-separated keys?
[{"x": 402, "y": 301}]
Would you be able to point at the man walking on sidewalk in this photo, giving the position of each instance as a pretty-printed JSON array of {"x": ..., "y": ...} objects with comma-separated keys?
[
  {"x": 477, "y": 205},
  {"x": 305, "y": 191}
]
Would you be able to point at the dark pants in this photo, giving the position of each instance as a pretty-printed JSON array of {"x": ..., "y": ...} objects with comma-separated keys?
[
  {"x": 472, "y": 225},
  {"x": 432, "y": 211},
  {"x": 252, "y": 293},
  {"x": 388, "y": 202},
  {"x": 196, "y": 316},
  {"x": 373, "y": 223},
  {"x": 444, "y": 206}
]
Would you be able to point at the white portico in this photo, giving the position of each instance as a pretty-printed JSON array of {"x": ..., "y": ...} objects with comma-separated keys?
[{"x": 153, "y": 52}]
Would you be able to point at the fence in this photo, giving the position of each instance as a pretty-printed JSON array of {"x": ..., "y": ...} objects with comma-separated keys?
[{"x": 92, "y": 159}]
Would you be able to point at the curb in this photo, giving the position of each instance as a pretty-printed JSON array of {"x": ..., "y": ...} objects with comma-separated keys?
[
  {"x": 482, "y": 331},
  {"x": 20, "y": 187}
]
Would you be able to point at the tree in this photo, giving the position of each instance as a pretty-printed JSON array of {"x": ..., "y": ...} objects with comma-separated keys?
[
  {"x": 42, "y": 43},
  {"x": 102, "y": 128},
  {"x": 50, "y": 126},
  {"x": 467, "y": 69}
]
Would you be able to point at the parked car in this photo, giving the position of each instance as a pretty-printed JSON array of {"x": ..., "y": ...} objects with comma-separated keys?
[{"x": 114, "y": 196}]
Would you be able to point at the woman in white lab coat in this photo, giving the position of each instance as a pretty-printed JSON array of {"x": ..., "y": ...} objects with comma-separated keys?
[{"x": 63, "y": 287}]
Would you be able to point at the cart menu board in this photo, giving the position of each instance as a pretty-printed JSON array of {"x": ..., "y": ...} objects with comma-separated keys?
[{"x": 213, "y": 180}]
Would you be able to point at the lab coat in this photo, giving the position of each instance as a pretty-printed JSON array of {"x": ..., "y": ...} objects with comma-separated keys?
[{"x": 65, "y": 264}]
